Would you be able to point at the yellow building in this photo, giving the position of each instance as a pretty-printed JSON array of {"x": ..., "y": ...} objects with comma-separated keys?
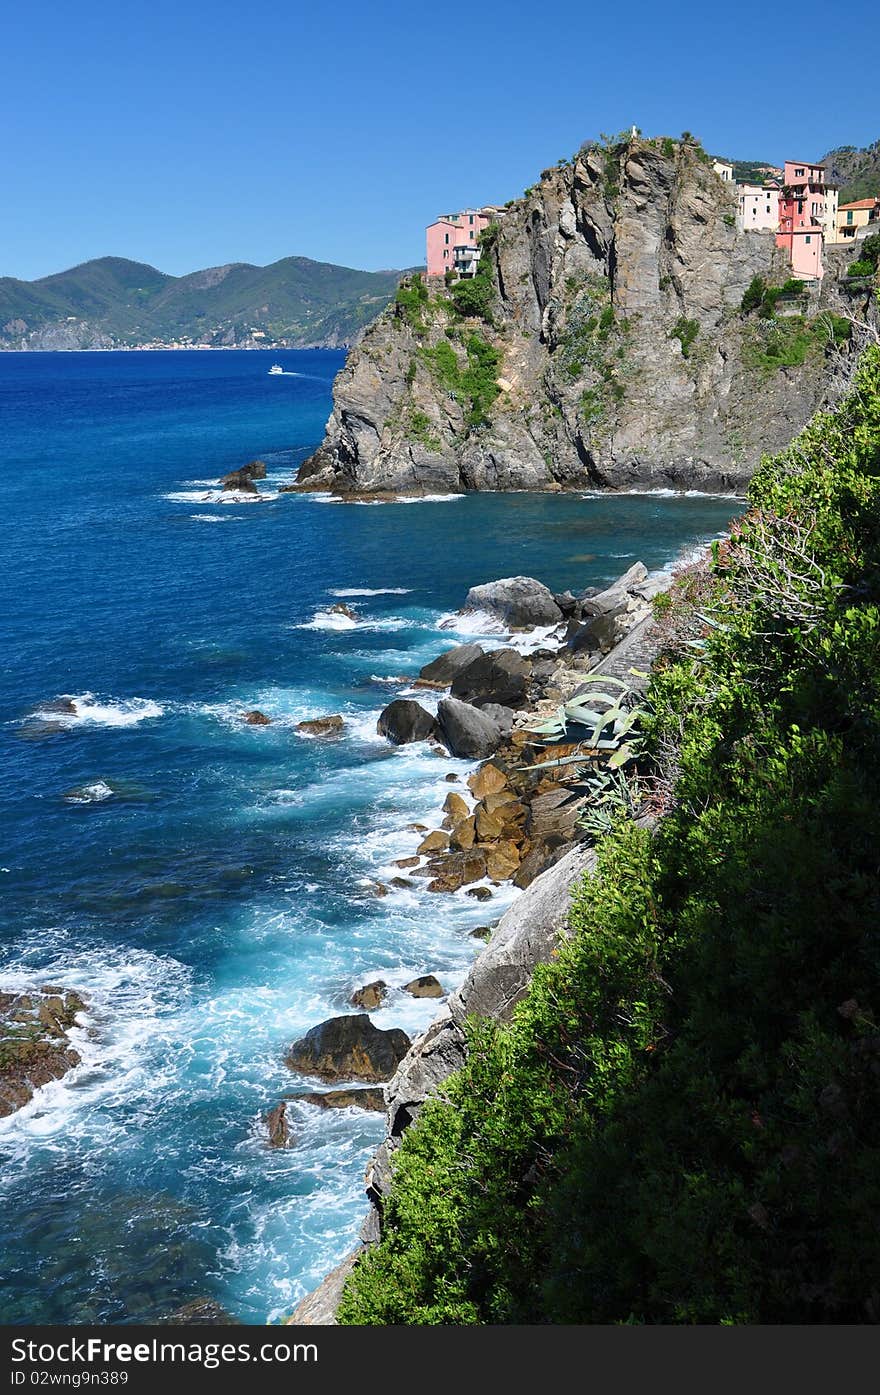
[{"x": 853, "y": 218}]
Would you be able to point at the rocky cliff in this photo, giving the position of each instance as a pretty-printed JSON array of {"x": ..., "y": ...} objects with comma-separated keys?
[{"x": 611, "y": 349}]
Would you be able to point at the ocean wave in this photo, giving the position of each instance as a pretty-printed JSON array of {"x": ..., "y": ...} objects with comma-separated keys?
[
  {"x": 216, "y": 496},
  {"x": 479, "y": 624},
  {"x": 95, "y": 793},
  {"x": 100, "y": 712},
  {"x": 370, "y": 590},
  {"x": 661, "y": 492},
  {"x": 329, "y": 620},
  {"x": 212, "y": 518}
]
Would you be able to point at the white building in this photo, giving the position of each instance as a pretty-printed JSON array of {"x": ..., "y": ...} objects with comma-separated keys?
[
  {"x": 723, "y": 171},
  {"x": 757, "y": 207}
]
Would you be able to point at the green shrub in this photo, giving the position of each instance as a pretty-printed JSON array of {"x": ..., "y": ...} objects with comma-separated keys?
[
  {"x": 668, "y": 147},
  {"x": 475, "y": 296},
  {"x": 681, "y": 1122},
  {"x": 870, "y": 249},
  {"x": 411, "y": 300},
  {"x": 754, "y": 295},
  {"x": 861, "y": 268},
  {"x": 685, "y": 331},
  {"x": 420, "y": 429}
]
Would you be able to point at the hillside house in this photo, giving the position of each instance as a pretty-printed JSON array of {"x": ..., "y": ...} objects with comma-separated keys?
[
  {"x": 803, "y": 217},
  {"x": 854, "y": 219},
  {"x": 758, "y": 206},
  {"x": 453, "y": 240}
]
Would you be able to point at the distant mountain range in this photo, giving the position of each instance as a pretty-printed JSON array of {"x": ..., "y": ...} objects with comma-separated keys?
[{"x": 112, "y": 302}]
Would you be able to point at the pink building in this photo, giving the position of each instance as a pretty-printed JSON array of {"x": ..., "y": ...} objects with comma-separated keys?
[
  {"x": 452, "y": 240},
  {"x": 802, "y": 209}
]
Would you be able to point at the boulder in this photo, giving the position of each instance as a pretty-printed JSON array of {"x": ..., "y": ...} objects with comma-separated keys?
[
  {"x": 479, "y": 893},
  {"x": 500, "y": 676},
  {"x": 456, "y": 807},
  {"x": 519, "y": 602},
  {"x": 405, "y": 720},
  {"x": 406, "y": 862},
  {"x": 239, "y": 482},
  {"x": 34, "y": 1043},
  {"x": 504, "y": 716},
  {"x": 427, "y": 986},
  {"x": 616, "y": 597},
  {"x": 322, "y": 726},
  {"x": 370, "y": 1097},
  {"x": 487, "y": 780},
  {"x": 349, "y": 1048},
  {"x": 443, "y": 669},
  {"x": 433, "y": 842},
  {"x": 464, "y": 834},
  {"x": 456, "y": 870},
  {"x": 255, "y": 469},
  {"x": 370, "y": 996},
  {"x": 276, "y": 1123},
  {"x": 340, "y": 608},
  {"x": 256, "y": 719},
  {"x": 466, "y": 730}
]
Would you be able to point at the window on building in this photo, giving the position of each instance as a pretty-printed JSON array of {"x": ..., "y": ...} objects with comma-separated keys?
[
  {"x": 808, "y": 238},
  {"x": 471, "y": 218},
  {"x": 849, "y": 217},
  {"x": 799, "y": 172},
  {"x": 446, "y": 236}
]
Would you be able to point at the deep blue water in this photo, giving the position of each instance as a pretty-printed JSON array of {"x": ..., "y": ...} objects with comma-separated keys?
[{"x": 203, "y": 882}]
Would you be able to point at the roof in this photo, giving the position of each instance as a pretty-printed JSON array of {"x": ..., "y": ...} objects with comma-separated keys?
[{"x": 861, "y": 203}]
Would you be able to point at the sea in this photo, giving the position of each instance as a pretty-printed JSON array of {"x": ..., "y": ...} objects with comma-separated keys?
[{"x": 208, "y": 886}]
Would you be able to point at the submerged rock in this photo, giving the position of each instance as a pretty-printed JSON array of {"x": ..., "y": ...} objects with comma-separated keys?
[
  {"x": 254, "y": 718},
  {"x": 34, "y": 1044},
  {"x": 200, "y": 1312},
  {"x": 322, "y": 726},
  {"x": 349, "y": 1048},
  {"x": 405, "y": 720},
  {"x": 370, "y": 1097},
  {"x": 340, "y": 608}
]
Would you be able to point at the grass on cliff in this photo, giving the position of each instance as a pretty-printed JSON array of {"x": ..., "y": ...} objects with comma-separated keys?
[
  {"x": 682, "y": 1122},
  {"x": 473, "y": 383}
]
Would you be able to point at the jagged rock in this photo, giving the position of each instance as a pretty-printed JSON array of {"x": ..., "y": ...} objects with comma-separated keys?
[
  {"x": 554, "y": 814},
  {"x": 500, "y": 677},
  {"x": 34, "y": 1045},
  {"x": 425, "y": 987},
  {"x": 402, "y": 883},
  {"x": 406, "y": 862},
  {"x": 519, "y": 602},
  {"x": 370, "y": 1097},
  {"x": 318, "y": 1309},
  {"x": 370, "y": 996},
  {"x": 598, "y": 634},
  {"x": 348, "y": 1048},
  {"x": 443, "y": 669},
  {"x": 378, "y": 889},
  {"x": 482, "y": 932},
  {"x": 239, "y": 482},
  {"x": 404, "y": 720},
  {"x": 277, "y": 1126},
  {"x": 479, "y": 893},
  {"x": 617, "y": 597},
  {"x": 464, "y": 833},
  {"x": 322, "y": 726},
  {"x": 340, "y": 608},
  {"x": 256, "y": 469},
  {"x": 455, "y": 806},
  {"x": 567, "y": 603},
  {"x": 489, "y": 779},
  {"x": 504, "y": 716},
  {"x": 433, "y": 842},
  {"x": 256, "y": 719},
  {"x": 466, "y": 730},
  {"x": 457, "y": 870}
]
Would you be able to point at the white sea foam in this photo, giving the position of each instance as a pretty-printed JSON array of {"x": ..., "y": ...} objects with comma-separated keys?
[
  {"x": 371, "y": 591},
  {"x": 479, "y": 624},
  {"x": 216, "y": 496},
  {"x": 212, "y": 517},
  {"x": 659, "y": 493},
  {"x": 94, "y": 793},
  {"x": 102, "y": 712},
  {"x": 329, "y": 620}
]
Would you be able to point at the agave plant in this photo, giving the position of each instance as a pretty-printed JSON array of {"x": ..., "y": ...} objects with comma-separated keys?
[{"x": 608, "y": 720}]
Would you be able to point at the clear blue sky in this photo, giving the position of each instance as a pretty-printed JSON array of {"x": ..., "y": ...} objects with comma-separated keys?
[{"x": 190, "y": 133}]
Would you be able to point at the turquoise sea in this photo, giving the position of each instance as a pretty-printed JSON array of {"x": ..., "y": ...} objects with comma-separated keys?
[{"x": 204, "y": 883}]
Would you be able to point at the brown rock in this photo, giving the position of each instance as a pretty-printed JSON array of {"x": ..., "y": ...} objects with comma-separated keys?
[
  {"x": 370, "y": 996},
  {"x": 434, "y": 842},
  {"x": 456, "y": 806},
  {"x": 322, "y": 726},
  {"x": 554, "y": 813},
  {"x": 370, "y": 1097},
  {"x": 417, "y": 828},
  {"x": 256, "y": 719},
  {"x": 487, "y": 780},
  {"x": 502, "y": 861},
  {"x": 402, "y": 883},
  {"x": 482, "y": 932},
  {"x": 457, "y": 870},
  {"x": 479, "y": 893},
  {"x": 377, "y": 889},
  {"x": 349, "y": 1048},
  {"x": 425, "y": 987},
  {"x": 276, "y": 1123},
  {"x": 452, "y": 778},
  {"x": 489, "y": 826},
  {"x": 407, "y": 862},
  {"x": 340, "y": 608},
  {"x": 464, "y": 834},
  {"x": 34, "y": 1046}
]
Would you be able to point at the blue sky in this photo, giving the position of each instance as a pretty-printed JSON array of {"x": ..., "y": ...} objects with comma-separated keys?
[{"x": 188, "y": 134}]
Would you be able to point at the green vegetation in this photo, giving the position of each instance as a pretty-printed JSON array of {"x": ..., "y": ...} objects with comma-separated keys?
[
  {"x": 685, "y": 331},
  {"x": 668, "y": 147},
  {"x": 474, "y": 383},
  {"x": 789, "y": 342},
  {"x": 294, "y": 299},
  {"x": 856, "y": 171},
  {"x": 681, "y": 1124},
  {"x": 419, "y": 429},
  {"x": 763, "y": 298},
  {"x": 861, "y": 268},
  {"x": 412, "y": 300},
  {"x": 475, "y": 296}
]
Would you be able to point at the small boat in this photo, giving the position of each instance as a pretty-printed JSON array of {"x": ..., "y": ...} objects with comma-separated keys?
[{"x": 276, "y": 368}]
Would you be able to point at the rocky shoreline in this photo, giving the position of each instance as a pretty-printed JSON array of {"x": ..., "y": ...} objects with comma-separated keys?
[
  {"x": 35, "y": 1046},
  {"x": 515, "y": 819}
]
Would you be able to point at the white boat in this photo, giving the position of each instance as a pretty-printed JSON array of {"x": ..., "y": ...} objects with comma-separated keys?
[{"x": 276, "y": 368}]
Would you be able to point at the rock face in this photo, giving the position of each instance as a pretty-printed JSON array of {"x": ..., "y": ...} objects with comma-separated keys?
[
  {"x": 466, "y": 731},
  {"x": 404, "y": 720},
  {"x": 599, "y": 276},
  {"x": 349, "y": 1048},
  {"x": 369, "y": 1097},
  {"x": 519, "y": 602},
  {"x": 500, "y": 677},
  {"x": 427, "y": 986},
  {"x": 34, "y": 1045},
  {"x": 443, "y": 669},
  {"x": 277, "y": 1126}
]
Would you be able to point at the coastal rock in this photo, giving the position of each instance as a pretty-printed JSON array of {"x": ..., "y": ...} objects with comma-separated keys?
[
  {"x": 425, "y": 987},
  {"x": 503, "y": 716},
  {"x": 239, "y": 482},
  {"x": 368, "y": 1097},
  {"x": 489, "y": 779},
  {"x": 443, "y": 669},
  {"x": 437, "y": 841},
  {"x": 455, "y": 807},
  {"x": 340, "y": 608},
  {"x": 370, "y": 996},
  {"x": 405, "y": 720},
  {"x": 348, "y": 1048},
  {"x": 200, "y": 1312},
  {"x": 254, "y": 718},
  {"x": 34, "y": 1041},
  {"x": 519, "y": 602},
  {"x": 256, "y": 469},
  {"x": 467, "y": 731},
  {"x": 277, "y": 1126},
  {"x": 457, "y": 869},
  {"x": 318, "y": 1309},
  {"x": 333, "y": 725},
  {"x": 499, "y": 677}
]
